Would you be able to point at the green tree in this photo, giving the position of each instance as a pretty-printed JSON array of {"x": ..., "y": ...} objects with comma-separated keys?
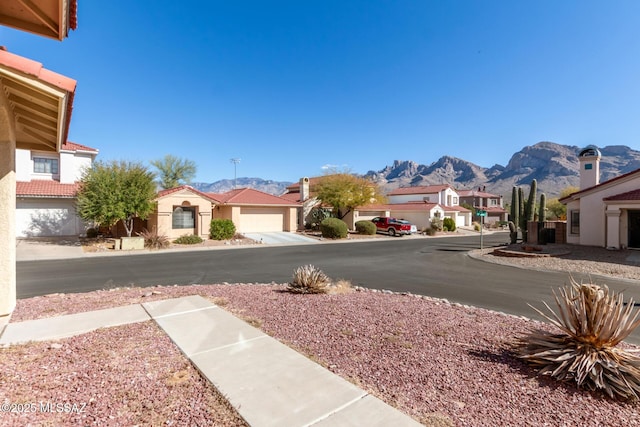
[
  {"x": 174, "y": 171},
  {"x": 116, "y": 191},
  {"x": 556, "y": 209},
  {"x": 344, "y": 192}
]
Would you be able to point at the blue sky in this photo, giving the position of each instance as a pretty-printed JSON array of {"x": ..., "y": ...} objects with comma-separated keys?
[{"x": 292, "y": 86}]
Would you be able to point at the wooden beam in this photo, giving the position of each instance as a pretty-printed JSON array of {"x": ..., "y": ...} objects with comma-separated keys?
[
  {"x": 41, "y": 16},
  {"x": 20, "y": 111},
  {"x": 38, "y": 126},
  {"x": 33, "y": 106},
  {"x": 27, "y": 91},
  {"x": 27, "y": 26},
  {"x": 45, "y": 141}
]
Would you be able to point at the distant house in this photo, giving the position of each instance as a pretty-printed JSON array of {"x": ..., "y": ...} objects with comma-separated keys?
[
  {"x": 255, "y": 211},
  {"x": 182, "y": 210},
  {"x": 603, "y": 214},
  {"x": 482, "y": 200},
  {"x": 443, "y": 195},
  {"x": 418, "y": 213},
  {"x": 46, "y": 187}
]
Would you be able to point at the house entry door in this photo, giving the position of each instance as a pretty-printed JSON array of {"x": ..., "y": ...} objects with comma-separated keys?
[{"x": 634, "y": 229}]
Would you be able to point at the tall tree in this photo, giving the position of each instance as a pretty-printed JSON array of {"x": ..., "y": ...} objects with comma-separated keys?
[
  {"x": 116, "y": 191},
  {"x": 344, "y": 192},
  {"x": 174, "y": 171}
]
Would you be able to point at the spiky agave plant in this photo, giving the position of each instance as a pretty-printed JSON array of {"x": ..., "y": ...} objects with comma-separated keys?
[
  {"x": 309, "y": 279},
  {"x": 593, "y": 321}
]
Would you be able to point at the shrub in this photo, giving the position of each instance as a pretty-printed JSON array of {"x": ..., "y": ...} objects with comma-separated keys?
[
  {"x": 593, "y": 322},
  {"x": 92, "y": 233},
  {"x": 153, "y": 240},
  {"x": 317, "y": 216},
  {"x": 309, "y": 279},
  {"x": 221, "y": 229},
  {"x": 430, "y": 231},
  {"x": 476, "y": 226},
  {"x": 449, "y": 224},
  {"x": 436, "y": 224},
  {"x": 334, "y": 228},
  {"x": 366, "y": 227},
  {"x": 188, "y": 239}
]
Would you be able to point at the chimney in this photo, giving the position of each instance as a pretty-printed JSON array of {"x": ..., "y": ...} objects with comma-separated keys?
[
  {"x": 589, "y": 166},
  {"x": 304, "y": 189}
]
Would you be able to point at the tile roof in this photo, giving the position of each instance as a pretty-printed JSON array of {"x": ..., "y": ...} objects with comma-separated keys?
[
  {"x": 476, "y": 193},
  {"x": 605, "y": 184},
  {"x": 164, "y": 193},
  {"x": 249, "y": 196},
  {"x": 42, "y": 188},
  {"x": 72, "y": 146},
  {"x": 633, "y": 195},
  {"x": 420, "y": 189},
  {"x": 292, "y": 197}
]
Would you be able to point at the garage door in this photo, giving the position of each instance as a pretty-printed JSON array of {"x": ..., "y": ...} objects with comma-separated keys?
[
  {"x": 44, "y": 218},
  {"x": 261, "y": 220}
]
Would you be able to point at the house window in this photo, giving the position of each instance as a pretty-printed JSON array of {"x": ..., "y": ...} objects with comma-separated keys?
[
  {"x": 184, "y": 217},
  {"x": 455, "y": 200},
  {"x": 575, "y": 222},
  {"x": 493, "y": 202},
  {"x": 45, "y": 165}
]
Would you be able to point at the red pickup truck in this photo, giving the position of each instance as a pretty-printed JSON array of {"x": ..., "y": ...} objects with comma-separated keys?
[{"x": 393, "y": 226}]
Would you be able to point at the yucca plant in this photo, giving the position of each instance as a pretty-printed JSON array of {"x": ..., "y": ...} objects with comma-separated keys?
[
  {"x": 153, "y": 240},
  {"x": 309, "y": 279},
  {"x": 593, "y": 321}
]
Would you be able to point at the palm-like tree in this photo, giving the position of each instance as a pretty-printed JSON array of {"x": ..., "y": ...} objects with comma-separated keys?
[
  {"x": 174, "y": 171},
  {"x": 593, "y": 322}
]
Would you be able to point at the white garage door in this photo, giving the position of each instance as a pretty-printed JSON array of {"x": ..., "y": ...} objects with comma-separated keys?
[
  {"x": 261, "y": 220},
  {"x": 44, "y": 217}
]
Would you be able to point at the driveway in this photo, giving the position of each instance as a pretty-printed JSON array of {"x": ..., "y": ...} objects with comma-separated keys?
[
  {"x": 279, "y": 237},
  {"x": 40, "y": 248}
]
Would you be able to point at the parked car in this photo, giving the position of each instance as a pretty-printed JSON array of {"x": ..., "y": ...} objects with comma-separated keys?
[{"x": 393, "y": 226}]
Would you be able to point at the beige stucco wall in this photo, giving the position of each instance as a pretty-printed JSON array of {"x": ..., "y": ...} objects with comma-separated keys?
[
  {"x": 7, "y": 209},
  {"x": 163, "y": 216}
]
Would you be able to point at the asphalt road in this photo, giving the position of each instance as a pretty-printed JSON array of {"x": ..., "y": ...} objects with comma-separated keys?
[{"x": 437, "y": 267}]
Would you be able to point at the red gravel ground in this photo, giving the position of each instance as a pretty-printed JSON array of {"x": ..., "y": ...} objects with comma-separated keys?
[{"x": 443, "y": 364}]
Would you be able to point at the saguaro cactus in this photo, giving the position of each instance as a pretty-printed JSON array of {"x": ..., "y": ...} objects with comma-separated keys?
[
  {"x": 515, "y": 215},
  {"x": 522, "y": 219},
  {"x": 543, "y": 207}
]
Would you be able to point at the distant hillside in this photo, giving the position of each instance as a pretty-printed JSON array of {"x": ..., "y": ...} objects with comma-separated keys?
[
  {"x": 276, "y": 188},
  {"x": 554, "y": 166}
]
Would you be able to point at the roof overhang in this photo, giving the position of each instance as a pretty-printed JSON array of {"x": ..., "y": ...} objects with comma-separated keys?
[
  {"x": 48, "y": 18},
  {"x": 40, "y": 102}
]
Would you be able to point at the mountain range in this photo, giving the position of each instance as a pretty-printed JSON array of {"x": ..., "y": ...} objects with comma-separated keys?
[{"x": 554, "y": 166}]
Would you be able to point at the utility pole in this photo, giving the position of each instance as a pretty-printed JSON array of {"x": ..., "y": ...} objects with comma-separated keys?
[{"x": 235, "y": 162}]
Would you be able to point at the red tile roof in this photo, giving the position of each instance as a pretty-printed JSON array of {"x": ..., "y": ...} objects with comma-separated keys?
[
  {"x": 476, "y": 193},
  {"x": 249, "y": 196},
  {"x": 72, "y": 146},
  {"x": 207, "y": 196},
  {"x": 420, "y": 189},
  {"x": 292, "y": 197},
  {"x": 601, "y": 185},
  {"x": 41, "y": 188},
  {"x": 633, "y": 195}
]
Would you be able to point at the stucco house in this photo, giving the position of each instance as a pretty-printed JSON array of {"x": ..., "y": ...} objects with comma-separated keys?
[
  {"x": 182, "y": 210},
  {"x": 255, "y": 211},
  {"x": 46, "y": 187},
  {"x": 185, "y": 210},
  {"x": 603, "y": 214},
  {"x": 482, "y": 200},
  {"x": 443, "y": 195},
  {"x": 417, "y": 213}
]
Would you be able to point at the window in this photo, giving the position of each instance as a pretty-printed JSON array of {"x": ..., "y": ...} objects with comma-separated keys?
[
  {"x": 183, "y": 217},
  {"x": 45, "y": 165},
  {"x": 493, "y": 202},
  {"x": 575, "y": 222},
  {"x": 455, "y": 200}
]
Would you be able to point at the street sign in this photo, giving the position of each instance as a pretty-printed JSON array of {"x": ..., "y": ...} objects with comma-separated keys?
[{"x": 482, "y": 213}]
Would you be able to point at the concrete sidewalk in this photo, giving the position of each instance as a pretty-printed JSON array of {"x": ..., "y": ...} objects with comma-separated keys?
[{"x": 267, "y": 382}]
